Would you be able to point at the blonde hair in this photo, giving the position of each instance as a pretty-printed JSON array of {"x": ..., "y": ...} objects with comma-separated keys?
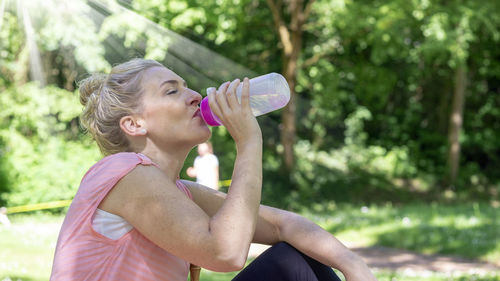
[{"x": 107, "y": 98}]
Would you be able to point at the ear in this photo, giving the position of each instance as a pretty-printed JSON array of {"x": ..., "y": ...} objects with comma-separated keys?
[{"x": 133, "y": 126}]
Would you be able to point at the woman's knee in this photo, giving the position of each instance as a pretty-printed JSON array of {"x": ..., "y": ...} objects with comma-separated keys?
[
  {"x": 286, "y": 258},
  {"x": 284, "y": 255},
  {"x": 281, "y": 262},
  {"x": 283, "y": 249}
]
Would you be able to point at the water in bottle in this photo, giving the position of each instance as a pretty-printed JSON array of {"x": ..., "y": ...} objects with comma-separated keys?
[{"x": 268, "y": 92}]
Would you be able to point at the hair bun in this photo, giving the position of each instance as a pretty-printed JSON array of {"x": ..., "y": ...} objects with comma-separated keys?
[{"x": 90, "y": 87}]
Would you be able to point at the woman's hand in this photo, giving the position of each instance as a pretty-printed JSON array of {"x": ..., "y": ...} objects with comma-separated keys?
[{"x": 237, "y": 118}]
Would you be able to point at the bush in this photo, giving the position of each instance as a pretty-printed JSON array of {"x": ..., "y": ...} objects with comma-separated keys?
[{"x": 44, "y": 153}]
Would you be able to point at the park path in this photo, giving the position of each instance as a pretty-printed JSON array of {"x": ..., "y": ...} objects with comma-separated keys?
[{"x": 407, "y": 261}]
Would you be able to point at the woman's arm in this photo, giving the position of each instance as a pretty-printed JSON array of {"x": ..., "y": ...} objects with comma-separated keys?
[
  {"x": 210, "y": 200},
  {"x": 275, "y": 225}
]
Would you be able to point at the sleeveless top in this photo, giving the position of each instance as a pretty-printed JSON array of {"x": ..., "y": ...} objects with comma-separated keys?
[{"x": 84, "y": 254}]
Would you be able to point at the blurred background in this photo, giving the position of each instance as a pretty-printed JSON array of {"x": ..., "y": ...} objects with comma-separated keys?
[{"x": 391, "y": 140}]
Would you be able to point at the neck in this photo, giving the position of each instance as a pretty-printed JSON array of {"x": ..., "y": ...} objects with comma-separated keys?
[{"x": 170, "y": 162}]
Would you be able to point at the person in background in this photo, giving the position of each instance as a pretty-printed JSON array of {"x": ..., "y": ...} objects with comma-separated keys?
[
  {"x": 206, "y": 167},
  {"x": 3, "y": 217},
  {"x": 132, "y": 218}
]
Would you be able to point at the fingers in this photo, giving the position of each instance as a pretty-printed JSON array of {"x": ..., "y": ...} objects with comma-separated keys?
[
  {"x": 220, "y": 96},
  {"x": 245, "y": 93},
  {"x": 224, "y": 101},
  {"x": 226, "y": 96},
  {"x": 232, "y": 99},
  {"x": 214, "y": 106},
  {"x": 234, "y": 112}
]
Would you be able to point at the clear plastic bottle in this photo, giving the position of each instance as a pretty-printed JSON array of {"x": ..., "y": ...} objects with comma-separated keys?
[{"x": 268, "y": 92}]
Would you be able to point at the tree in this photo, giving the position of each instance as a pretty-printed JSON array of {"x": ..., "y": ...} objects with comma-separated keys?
[
  {"x": 290, "y": 36},
  {"x": 456, "y": 121}
]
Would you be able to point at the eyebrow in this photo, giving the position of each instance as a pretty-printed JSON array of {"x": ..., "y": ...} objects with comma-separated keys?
[{"x": 175, "y": 82}]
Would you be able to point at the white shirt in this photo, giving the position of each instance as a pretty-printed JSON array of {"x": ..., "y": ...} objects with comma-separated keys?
[
  {"x": 205, "y": 166},
  {"x": 110, "y": 225}
]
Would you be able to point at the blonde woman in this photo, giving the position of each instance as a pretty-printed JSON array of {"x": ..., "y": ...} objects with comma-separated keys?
[{"x": 133, "y": 219}]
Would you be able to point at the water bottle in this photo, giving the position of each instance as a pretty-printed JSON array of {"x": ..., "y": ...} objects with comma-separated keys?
[{"x": 268, "y": 92}]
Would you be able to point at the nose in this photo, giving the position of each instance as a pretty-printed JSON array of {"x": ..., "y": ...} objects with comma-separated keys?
[{"x": 194, "y": 97}]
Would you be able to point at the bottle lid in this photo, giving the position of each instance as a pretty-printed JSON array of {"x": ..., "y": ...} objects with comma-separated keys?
[{"x": 207, "y": 114}]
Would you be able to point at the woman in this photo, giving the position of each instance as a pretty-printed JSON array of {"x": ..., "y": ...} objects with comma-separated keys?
[{"x": 133, "y": 219}]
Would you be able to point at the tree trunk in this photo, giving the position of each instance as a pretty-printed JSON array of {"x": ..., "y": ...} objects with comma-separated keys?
[
  {"x": 288, "y": 129},
  {"x": 291, "y": 39},
  {"x": 456, "y": 121}
]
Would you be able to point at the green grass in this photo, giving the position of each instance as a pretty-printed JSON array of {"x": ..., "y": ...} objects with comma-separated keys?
[
  {"x": 381, "y": 276},
  {"x": 465, "y": 230},
  {"x": 392, "y": 276},
  {"x": 27, "y": 247}
]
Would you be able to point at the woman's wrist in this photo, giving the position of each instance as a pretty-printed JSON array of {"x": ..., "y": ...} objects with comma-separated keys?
[
  {"x": 252, "y": 145},
  {"x": 354, "y": 269}
]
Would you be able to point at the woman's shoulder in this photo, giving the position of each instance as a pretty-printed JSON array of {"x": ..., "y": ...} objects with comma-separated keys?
[
  {"x": 128, "y": 158},
  {"x": 118, "y": 162},
  {"x": 125, "y": 156}
]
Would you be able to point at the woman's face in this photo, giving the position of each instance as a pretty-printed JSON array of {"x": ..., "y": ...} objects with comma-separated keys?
[{"x": 170, "y": 110}]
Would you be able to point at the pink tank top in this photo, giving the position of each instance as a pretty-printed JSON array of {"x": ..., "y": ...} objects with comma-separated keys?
[{"x": 83, "y": 254}]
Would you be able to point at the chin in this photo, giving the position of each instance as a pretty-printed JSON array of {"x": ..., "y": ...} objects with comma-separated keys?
[{"x": 207, "y": 134}]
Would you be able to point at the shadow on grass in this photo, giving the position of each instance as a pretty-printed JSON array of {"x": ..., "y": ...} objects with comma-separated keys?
[
  {"x": 478, "y": 278},
  {"x": 467, "y": 230},
  {"x": 471, "y": 242}
]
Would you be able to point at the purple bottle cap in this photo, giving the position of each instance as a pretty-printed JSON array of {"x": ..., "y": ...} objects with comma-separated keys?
[{"x": 207, "y": 114}]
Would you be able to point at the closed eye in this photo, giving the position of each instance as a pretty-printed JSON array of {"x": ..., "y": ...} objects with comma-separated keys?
[{"x": 173, "y": 83}]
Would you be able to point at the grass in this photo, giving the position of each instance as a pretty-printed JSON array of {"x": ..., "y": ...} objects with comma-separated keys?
[
  {"x": 28, "y": 247},
  {"x": 466, "y": 230},
  {"x": 381, "y": 276}
]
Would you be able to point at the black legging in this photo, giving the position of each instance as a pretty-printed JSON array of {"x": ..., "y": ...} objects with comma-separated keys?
[{"x": 283, "y": 262}]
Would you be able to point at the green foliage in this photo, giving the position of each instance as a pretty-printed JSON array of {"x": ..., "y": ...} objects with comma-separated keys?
[
  {"x": 374, "y": 89},
  {"x": 240, "y": 30},
  {"x": 397, "y": 60},
  {"x": 354, "y": 172},
  {"x": 68, "y": 28},
  {"x": 393, "y": 58},
  {"x": 10, "y": 49},
  {"x": 42, "y": 141}
]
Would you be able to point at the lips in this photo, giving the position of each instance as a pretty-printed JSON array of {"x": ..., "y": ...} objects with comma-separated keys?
[{"x": 197, "y": 113}]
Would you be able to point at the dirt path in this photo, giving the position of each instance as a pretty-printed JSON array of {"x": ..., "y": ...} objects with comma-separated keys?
[{"x": 401, "y": 260}]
